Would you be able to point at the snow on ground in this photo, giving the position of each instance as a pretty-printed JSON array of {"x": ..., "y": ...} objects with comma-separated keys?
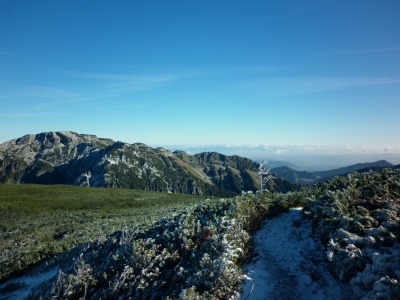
[
  {"x": 20, "y": 288},
  {"x": 290, "y": 263}
]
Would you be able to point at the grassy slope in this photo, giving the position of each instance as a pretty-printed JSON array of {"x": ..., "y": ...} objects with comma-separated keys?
[{"x": 40, "y": 221}]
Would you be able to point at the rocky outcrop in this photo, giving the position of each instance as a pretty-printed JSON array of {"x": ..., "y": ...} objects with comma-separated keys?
[{"x": 234, "y": 173}]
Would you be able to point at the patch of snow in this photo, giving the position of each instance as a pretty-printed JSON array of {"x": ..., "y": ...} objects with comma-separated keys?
[
  {"x": 24, "y": 285},
  {"x": 290, "y": 264}
]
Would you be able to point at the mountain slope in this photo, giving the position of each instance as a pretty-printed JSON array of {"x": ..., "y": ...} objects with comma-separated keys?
[
  {"x": 272, "y": 164},
  {"x": 352, "y": 168},
  {"x": 377, "y": 169},
  {"x": 86, "y": 160},
  {"x": 302, "y": 177},
  {"x": 233, "y": 173}
]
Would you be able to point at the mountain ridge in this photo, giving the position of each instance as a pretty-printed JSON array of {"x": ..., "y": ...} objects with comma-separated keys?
[
  {"x": 294, "y": 176},
  {"x": 65, "y": 157},
  {"x": 304, "y": 177},
  {"x": 351, "y": 168}
]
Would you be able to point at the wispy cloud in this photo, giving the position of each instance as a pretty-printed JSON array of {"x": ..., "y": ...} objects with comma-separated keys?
[
  {"x": 115, "y": 104},
  {"x": 134, "y": 80},
  {"x": 40, "y": 92},
  {"x": 40, "y": 98},
  {"x": 120, "y": 104},
  {"x": 361, "y": 51},
  {"x": 89, "y": 86},
  {"x": 152, "y": 80},
  {"x": 99, "y": 86},
  {"x": 29, "y": 114},
  {"x": 106, "y": 85},
  {"x": 298, "y": 86},
  {"x": 12, "y": 54}
]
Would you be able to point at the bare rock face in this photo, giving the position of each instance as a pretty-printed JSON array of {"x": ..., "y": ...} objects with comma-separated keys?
[
  {"x": 41, "y": 153},
  {"x": 67, "y": 157},
  {"x": 47, "y": 144}
]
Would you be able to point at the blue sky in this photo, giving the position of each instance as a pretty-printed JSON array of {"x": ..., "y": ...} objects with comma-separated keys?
[{"x": 203, "y": 72}]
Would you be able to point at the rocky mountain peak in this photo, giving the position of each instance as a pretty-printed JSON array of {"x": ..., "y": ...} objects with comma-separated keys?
[
  {"x": 162, "y": 149},
  {"x": 179, "y": 152}
]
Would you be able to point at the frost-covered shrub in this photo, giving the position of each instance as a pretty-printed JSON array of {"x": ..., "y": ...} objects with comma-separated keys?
[
  {"x": 347, "y": 261},
  {"x": 195, "y": 254},
  {"x": 380, "y": 278},
  {"x": 358, "y": 217}
]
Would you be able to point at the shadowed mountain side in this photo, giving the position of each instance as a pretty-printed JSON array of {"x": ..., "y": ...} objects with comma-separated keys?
[
  {"x": 272, "y": 164},
  {"x": 294, "y": 176}
]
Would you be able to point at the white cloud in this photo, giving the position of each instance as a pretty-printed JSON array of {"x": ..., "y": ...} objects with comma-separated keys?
[{"x": 280, "y": 151}]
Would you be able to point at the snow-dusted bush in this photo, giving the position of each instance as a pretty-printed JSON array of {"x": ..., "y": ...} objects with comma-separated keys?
[
  {"x": 380, "y": 277},
  {"x": 358, "y": 217},
  {"x": 195, "y": 254}
]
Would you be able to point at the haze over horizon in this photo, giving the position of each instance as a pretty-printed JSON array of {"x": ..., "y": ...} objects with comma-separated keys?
[{"x": 324, "y": 74}]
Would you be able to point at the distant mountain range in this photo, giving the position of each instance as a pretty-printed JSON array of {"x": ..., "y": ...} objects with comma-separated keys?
[
  {"x": 304, "y": 177},
  {"x": 86, "y": 160},
  {"x": 272, "y": 164}
]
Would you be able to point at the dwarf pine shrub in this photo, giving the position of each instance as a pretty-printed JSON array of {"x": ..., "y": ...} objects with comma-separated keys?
[
  {"x": 358, "y": 218},
  {"x": 194, "y": 254}
]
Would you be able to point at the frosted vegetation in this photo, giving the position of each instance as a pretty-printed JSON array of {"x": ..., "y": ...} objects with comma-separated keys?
[
  {"x": 196, "y": 252},
  {"x": 358, "y": 217}
]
